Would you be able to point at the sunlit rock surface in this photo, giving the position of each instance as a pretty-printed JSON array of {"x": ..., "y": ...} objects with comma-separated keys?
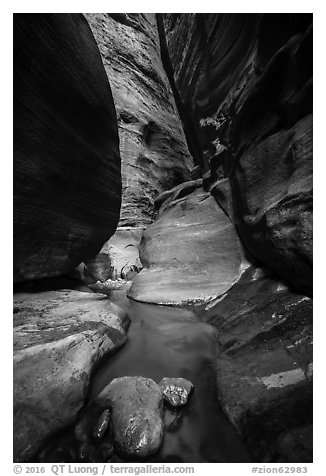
[
  {"x": 122, "y": 250},
  {"x": 67, "y": 184},
  {"x": 191, "y": 253},
  {"x": 153, "y": 148},
  {"x": 59, "y": 338},
  {"x": 245, "y": 80}
]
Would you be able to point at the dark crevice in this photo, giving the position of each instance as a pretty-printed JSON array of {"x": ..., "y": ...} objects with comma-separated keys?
[{"x": 188, "y": 125}]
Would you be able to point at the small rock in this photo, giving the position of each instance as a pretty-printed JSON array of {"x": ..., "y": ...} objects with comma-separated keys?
[
  {"x": 176, "y": 390},
  {"x": 102, "y": 424}
]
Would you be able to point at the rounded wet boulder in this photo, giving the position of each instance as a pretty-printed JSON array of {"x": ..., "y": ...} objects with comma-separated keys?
[
  {"x": 136, "y": 416},
  {"x": 176, "y": 391}
]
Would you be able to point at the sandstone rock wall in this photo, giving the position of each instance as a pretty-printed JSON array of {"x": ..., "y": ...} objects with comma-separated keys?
[
  {"x": 153, "y": 148},
  {"x": 246, "y": 82},
  {"x": 67, "y": 183}
]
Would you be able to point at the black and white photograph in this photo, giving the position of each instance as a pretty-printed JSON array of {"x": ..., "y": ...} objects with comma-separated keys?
[{"x": 162, "y": 241}]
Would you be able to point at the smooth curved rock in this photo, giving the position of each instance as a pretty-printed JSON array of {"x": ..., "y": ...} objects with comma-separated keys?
[
  {"x": 176, "y": 391},
  {"x": 136, "y": 415},
  {"x": 191, "y": 253},
  {"x": 246, "y": 82},
  {"x": 67, "y": 183},
  {"x": 59, "y": 337}
]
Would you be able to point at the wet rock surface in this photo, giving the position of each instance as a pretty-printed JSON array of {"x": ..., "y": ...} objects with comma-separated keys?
[
  {"x": 102, "y": 424},
  {"x": 136, "y": 424},
  {"x": 59, "y": 338},
  {"x": 190, "y": 254},
  {"x": 264, "y": 366},
  {"x": 136, "y": 415},
  {"x": 176, "y": 391},
  {"x": 67, "y": 183}
]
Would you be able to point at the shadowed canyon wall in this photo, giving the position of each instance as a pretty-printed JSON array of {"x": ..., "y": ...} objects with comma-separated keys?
[
  {"x": 67, "y": 183},
  {"x": 246, "y": 82},
  {"x": 243, "y": 85},
  {"x": 67, "y": 195}
]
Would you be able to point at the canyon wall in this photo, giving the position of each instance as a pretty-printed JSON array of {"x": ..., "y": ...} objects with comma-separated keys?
[
  {"x": 243, "y": 85},
  {"x": 67, "y": 181},
  {"x": 154, "y": 153},
  {"x": 67, "y": 196},
  {"x": 245, "y": 80}
]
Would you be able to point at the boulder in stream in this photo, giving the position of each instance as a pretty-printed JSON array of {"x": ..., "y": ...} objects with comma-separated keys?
[{"x": 136, "y": 415}]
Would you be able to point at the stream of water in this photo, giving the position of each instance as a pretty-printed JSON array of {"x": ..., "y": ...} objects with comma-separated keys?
[{"x": 170, "y": 342}]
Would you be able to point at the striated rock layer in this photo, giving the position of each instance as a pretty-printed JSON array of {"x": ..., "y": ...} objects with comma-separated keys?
[
  {"x": 264, "y": 366},
  {"x": 59, "y": 337},
  {"x": 245, "y": 82},
  {"x": 190, "y": 254},
  {"x": 67, "y": 184},
  {"x": 153, "y": 148}
]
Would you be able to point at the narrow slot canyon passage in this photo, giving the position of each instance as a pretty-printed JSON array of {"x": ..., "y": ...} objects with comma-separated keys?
[{"x": 162, "y": 306}]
